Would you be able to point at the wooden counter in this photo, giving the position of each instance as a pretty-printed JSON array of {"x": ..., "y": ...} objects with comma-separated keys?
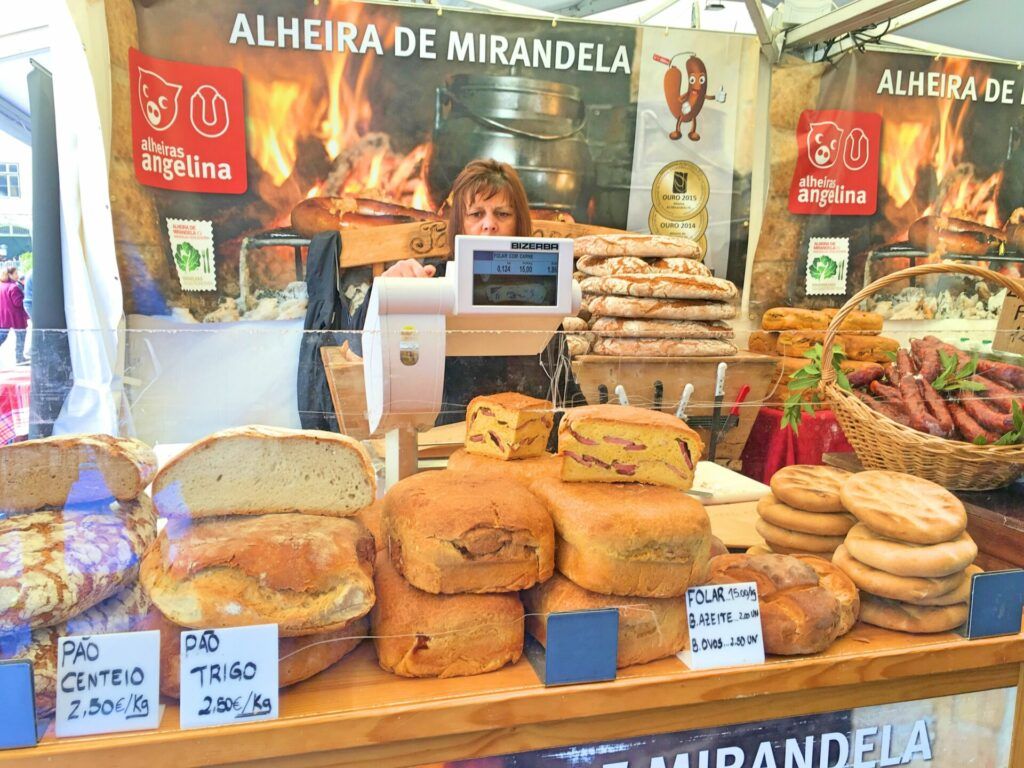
[{"x": 356, "y": 715}]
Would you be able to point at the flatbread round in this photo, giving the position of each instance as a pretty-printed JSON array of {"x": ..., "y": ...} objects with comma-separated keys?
[
  {"x": 662, "y": 286},
  {"x": 809, "y": 487},
  {"x": 904, "y": 507},
  {"x": 795, "y": 541},
  {"x": 628, "y": 244},
  {"x": 903, "y": 559},
  {"x": 785, "y": 516},
  {"x": 661, "y": 329},
  {"x": 909, "y": 588},
  {"x": 962, "y": 593},
  {"x": 903, "y": 617},
  {"x": 663, "y": 347},
  {"x": 603, "y": 266},
  {"x": 665, "y": 309}
]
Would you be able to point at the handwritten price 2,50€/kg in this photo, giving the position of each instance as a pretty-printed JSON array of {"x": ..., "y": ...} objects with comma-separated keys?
[{"x": 253, "y": 705}]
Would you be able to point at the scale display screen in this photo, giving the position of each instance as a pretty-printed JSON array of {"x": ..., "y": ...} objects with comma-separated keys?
[{"x": 515, "y": 278}]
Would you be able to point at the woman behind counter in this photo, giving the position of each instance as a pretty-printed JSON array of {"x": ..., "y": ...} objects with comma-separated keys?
[{"x": 488, "y": 199}]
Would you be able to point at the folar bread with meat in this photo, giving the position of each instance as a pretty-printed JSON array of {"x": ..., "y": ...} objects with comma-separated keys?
[
  {"x": 508, "y": 426},
  {"x": 624, "y": 444}
]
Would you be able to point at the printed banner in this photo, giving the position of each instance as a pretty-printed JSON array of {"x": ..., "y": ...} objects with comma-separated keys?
[
  {"x": 969, "y": 730},
  {"x": 896, "y": 159},
  {"x": 262, "y": 123}
]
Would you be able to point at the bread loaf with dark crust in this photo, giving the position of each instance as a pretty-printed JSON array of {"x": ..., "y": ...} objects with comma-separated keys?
[
  {"x": 649, "y": 628},
  {"x": 299, "y": 658},
  {"x": 798, "y": 614},
  {"x": 452, "y": 533},
  {"x": 57, "y": 563},
  {"x": 625, "y": 444},
  {"x": 636, "y": 540},
  {"x": 419, "y": 634},
  {"x": 73, "y": 470},
  {"x": 304, "y": 573}
]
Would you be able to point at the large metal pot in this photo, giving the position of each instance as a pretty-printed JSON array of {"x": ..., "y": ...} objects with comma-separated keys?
[{"x": 535, "y": 126}]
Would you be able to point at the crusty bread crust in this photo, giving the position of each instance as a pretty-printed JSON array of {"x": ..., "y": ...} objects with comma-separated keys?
[
  {"x": 657, "y": 550},
  {"x": 662, "y": 347},
  {"x": 629, "y": 244},
  {"x": 122, "y": 612},
  {"x": 666, "y": 329},
  {"x": 798, "y": 614},
  {"x": 306, "y": 574},
  {"x": 522, "y": 471},
  {"x": 843, "y": 589},
  {"x": 661, "y": 286},
  {"x": 452, "y": 533},
  {"x": 55, "y": 564},
  {"x": 666, "y": 309},
  {"x": 418, "y": 634},
  {"x": 299, "y": 658},
  {"x": 649, "y": 628},
  {"x": 603, "y": 266},
  {"x": 258, "y": 470},
  {"x": 72, "y": 470}
]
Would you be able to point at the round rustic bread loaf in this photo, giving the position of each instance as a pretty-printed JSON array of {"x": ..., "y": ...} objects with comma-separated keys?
[
  {"x": 649, "y": 628},
  {"x": 798, "y": 614},
  {"x": 793, "y": 519},
  {"x": 663, "y": 347},
  {"x": 306, "y": 573},
  {"x": 660, "y": 329},
  {"x": 450, "y": 532},
  {"x": 904, "y": 617},
  {"x": 661, "y": 286},
  {"x": 57, "y": 563},
  {"x": 842, "y": 588},
  {"x": 810, "y": 488},
  {"x": 630, "y": 244},
  {"x": 904, "y": 559},
  {"x": 664, "y": 309},
  {"x": 895, "y": 587},
  {"x": 603, "y": 266},
  {"x": 904, "y": 507}
]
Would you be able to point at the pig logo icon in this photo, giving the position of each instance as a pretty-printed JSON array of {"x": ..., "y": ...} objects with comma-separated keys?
[
  {"x": 823, "y": 140},
  {"x": 159, "y": 100}
]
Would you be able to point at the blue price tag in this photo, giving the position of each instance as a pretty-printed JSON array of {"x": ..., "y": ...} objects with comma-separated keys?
[
  {"x": 581, "y": 647},
  {"x": 17, "y": 705},
  {"x": 997, "y": 599}
]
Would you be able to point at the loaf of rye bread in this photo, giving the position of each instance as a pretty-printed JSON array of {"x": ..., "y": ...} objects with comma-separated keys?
[
  {"x": 307, "y": 574},
  {"x": 508, "y": 425},
  {"x": 419, "y": 634},
  {"x": 257, "y": 470},
  {"x": 73, "y": 470},
  {"x": 649, "y": 628},
  {"x": 624, "y": 444},
  {"x": 630, "y": 244},
  {"x": 619, "y": 539},
  {"x": 57, "y": 563},
  {"x": 451, "y": 533}
]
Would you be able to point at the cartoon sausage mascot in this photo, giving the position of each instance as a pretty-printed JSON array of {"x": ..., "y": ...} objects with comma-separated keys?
[{"x": 686, "y": 105}]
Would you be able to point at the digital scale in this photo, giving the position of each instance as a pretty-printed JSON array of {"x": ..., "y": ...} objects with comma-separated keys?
[{"x": 521, "y": 287}]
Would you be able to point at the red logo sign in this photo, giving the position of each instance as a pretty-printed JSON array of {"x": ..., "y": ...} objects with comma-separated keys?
[
  {"x": 188, "y": 125},
  {"x": 837, "y": 163}
]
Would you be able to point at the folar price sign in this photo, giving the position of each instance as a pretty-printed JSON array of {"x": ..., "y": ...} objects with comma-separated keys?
[
  {"x": 725, "y": 626},
  {"x": 228, "y": 675}
]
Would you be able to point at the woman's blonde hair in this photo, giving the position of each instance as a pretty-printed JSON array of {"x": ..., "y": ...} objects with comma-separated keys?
[
  {"x": 486, "y": 178},
  {"x": 7, "y": 274}
]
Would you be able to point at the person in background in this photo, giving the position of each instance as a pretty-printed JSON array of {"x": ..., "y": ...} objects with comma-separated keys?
[
  {"x": 28, "y": 294},
  {"x": 488, "y": 199},
  {"x": 13, "y": 316}
]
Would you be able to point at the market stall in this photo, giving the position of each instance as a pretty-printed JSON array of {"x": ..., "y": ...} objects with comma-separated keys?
[{"x": 484, "y": 402}]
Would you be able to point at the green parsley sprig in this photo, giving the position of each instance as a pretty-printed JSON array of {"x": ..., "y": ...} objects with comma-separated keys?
[
  {"x": 808, "y": 378},
  {"x": 1015, "y": 435},
  {"x": 955, "y": 377}
]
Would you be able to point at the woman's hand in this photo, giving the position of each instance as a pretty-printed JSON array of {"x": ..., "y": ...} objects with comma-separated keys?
[{"x": 409, "y": 268}]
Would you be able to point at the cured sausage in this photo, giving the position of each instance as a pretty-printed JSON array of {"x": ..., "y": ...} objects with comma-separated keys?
[
  {"x": 970, "y": 429},
  {"x": 920, "y": 418},
  {"x": 998, "y": 396},
  {"x": 904, "y": 365},
  {"x": 861, "y": 377},
  {"x": 1004, "y": 372},
  {"x": 323, "y": 214},
  {"x": 885, "y": 392},
  {"x": 937, "y": 407},
  {"x": 929, "y": 364},
  {"x": 886, "y": 409},
  {"x": 946, "y": 235},
  {"x": 985, "y": 414}
]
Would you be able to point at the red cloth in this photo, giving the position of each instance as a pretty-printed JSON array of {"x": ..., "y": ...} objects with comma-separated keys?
[
  {"x": 12, "y": 306},
  {"x": 15, "y": 386},
  {"x": 770, "y": 448}
]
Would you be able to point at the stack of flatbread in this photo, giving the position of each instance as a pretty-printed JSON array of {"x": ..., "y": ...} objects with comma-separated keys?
[{"x": 650, "y": 296}]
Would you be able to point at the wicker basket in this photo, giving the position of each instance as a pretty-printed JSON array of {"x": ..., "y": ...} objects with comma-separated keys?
[{"x": 881, "y": 443}]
